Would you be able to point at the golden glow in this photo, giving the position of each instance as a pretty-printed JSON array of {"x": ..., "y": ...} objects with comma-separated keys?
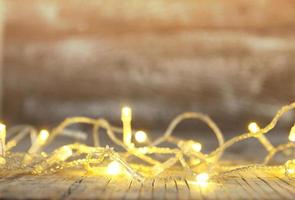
[
  {"x": 2, "y": 161},
  {"x": 148, "y": 162},
  {"x": 64, "y": 153},
  {"x": 43, "y": 136},
  {"x": 126, "y": 116},
  {"x": 114, "y": 168},
  {"x": 40, "y": 141},
  {"x": 197, "y": 147},
  {"x": 292, "y": 134},
  {"x": 2, "y": 139},
  {"x": 253, "y": 127},
  {"x": 2, "y": 131},
  {"x": 202, "y": 179},
  {"x": 140, "y": 136},
  {"x": 290, "y": 168},
  {"x": 2, "y": 127}
]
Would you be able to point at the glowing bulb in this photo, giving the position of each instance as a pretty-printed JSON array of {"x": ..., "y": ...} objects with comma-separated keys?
[
  {"x": 126, "y": 113},
  {"x": 64, "y": 153},
  {"x": 2, "y": 139},
  {"x": 43, "y": 136},
  {"x": 290, "y": 168},
  {"x": 292, "y": 134},
  {"x": 140, "y": 136},
  {"x": 202, "y": 179},
  {"x": 2, "y": 131},
  {"x": 253, "y": 127},
  {"x": 197, "y": 147},
  {"x": 41, "y": 140},
  {"x": 114, "y": 168},
  {"x": 126, "y": 116},
  {"x": 2, "y": 127}
]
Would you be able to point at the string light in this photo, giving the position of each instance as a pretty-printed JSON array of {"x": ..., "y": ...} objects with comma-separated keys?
[
  {"x": 2, "y": 139},
  {"x": 126, "y": 117},
  {"x": 292, "y": 134},
  {"x": 140, "y": 136},
  {"x": 254, "y": 128},
  {"x": 114, "y": 168},
  {"x": 181, "y": 153},
  {"x": 290, "y": 168},
  {"x": 197, "y": 146},
  {"x": 202, "y": 179},
  {"x": 40, "y": 141},
  {"x": 2, "y": 144}
]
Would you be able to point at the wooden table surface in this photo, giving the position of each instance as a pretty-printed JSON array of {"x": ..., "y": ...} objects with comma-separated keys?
[
  {"x": 77, "y": 185},
  {"x": 255, "y": 183}
]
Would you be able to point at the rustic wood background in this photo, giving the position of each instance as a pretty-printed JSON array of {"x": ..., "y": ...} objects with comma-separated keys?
[{"x": 232, "y": 59}]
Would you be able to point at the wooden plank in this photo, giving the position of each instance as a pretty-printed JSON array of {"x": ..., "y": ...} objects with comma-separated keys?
[
  {"x": 252, "y": 186},
  {"x": 146, "y": 191},
  {"x": 27, "y": 187},
  {"x": 85, "y": 186},
  {"x": 275, "y": 188},
  {"x": 182, "y": 189},
  {"x": 147, "y": 56},
  {"x": 133, "y": 191},
  {"x": 90, "y": 188},
  {"x": 159, "y": 188},
  {"x": 195, "y": 191}
]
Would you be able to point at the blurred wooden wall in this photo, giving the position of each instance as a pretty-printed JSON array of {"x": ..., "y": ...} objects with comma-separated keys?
[
  {"x": 2, "y": 10},
  {"x": 232, "y": 59}
]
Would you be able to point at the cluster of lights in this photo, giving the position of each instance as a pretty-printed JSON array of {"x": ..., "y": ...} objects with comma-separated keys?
[{"x": 198, "y": 166}]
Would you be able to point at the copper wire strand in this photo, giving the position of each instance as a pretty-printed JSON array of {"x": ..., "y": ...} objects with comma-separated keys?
[{"x": 96, "y": 154}]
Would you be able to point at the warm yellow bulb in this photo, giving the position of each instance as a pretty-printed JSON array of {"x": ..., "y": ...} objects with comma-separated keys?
[
  {"x": 202, "y": 177},
  {"x": 126, "y": 117},
  {"x": 197, "y": 147},
  {"x": 114, "y": 168},
  {"x": 290, "y": 168},
  {"x": 2, "y": 127},
  {"x": 64, "y": 153},
  {"x": 253, "y": 127},
  {"x": 140, "y": 136},
  {"x": 126, "y": 113},
  {"x": 43, "y": 136},
  {"x": 292, "y": 134},
  {"x": 2, "y": 131},
  {"x": 2, "y": 139}
]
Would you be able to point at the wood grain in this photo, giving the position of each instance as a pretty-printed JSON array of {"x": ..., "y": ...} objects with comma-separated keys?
[{"x": 70, "y": 186}]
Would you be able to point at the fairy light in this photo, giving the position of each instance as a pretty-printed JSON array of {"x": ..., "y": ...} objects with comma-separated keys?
[
  {"x": 2, "y": 139},
  {"x": 197, "y": 146},
  {"x": 126, "y": 117},
  {"x": 114, "y": 168},
  {"x": 202, "y": 179},
  {"x": 63, "y": 153},
  {"x": 43, "y": 136},
  {"x": 40, "y": 141},
  {"x": 290, "y": 168},
  {"x": 140, "y": 136},
  {"x": 155, "y": 159},
  {"x": 292, "y": 134},
  {"x": 254, "y": 128}
]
